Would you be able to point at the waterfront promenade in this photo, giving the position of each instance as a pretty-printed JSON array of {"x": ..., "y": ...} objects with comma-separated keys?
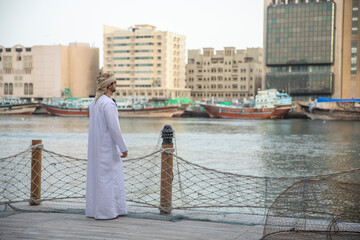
[{"x": 75, "y": 226}]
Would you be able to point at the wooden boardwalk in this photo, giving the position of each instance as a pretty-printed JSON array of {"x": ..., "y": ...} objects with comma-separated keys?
[{"x": 76, "y": 226}]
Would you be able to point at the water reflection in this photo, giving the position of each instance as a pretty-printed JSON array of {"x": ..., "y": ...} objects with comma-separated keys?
[
  {"x": 263, "y": 148},
  {"x": 311, "y": 147}
]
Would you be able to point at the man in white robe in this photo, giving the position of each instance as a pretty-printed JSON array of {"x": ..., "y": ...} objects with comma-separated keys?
[{"x": 105, "y": 186}]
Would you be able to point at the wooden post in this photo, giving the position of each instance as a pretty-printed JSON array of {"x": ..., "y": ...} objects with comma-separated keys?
[
  {"x": 35, "y": 190},
  {"x": 167, "y": 135}
]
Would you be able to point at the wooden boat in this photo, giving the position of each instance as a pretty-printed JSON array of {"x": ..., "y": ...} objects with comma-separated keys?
[
  {"x": 21, "y": 108},
  {"x": 16, "y": 106},
  {"x": 69, "y": 108},
  {"x": 181, "y": 109},
  {"x": 195, "y": 111},
  {"x": 66, "y": 111},
  {"x": 332, "y": 109},
  {"x": 268, "y": 104},
  {"x": 149, "y": 112},
  {"x": 221, "y": 111}
]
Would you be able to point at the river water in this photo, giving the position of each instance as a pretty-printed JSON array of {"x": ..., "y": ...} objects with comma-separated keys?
[{"x": 253, "y": 147}]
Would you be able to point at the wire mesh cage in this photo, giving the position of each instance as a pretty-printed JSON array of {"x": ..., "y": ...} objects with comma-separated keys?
[{"x": 326, "y": 208}]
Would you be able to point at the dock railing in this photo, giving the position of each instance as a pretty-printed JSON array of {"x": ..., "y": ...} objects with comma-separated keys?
[{"x": 166, "y": 182}]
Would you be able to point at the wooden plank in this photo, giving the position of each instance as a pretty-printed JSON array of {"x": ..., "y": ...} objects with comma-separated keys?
[{"x": 73, "y": 226}]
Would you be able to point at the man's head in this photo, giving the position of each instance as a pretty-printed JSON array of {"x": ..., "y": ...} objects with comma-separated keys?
[
  {"x": 112, "y": 87},
  {"x": 106, "y": 83}
]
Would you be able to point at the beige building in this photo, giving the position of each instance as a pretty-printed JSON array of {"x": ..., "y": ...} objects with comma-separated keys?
[
  {"x": 311, "y": 48},
  {"x": 350, "y": 77},
  {"x": 48, "y": 71},
  {"x": 145, "y": 62},
  {"x": 226, "y": 74}
]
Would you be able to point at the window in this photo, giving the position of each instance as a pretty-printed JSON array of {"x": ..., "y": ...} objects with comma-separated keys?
[
  {"x": 137, "y": 58},
  {"x": 121, "y": 51},
  {"x": 6, "y": 88},
  {"x": 353, "y": 67},
  {"x": 120, "y": 44},
  {"x": 355, "y": 12},
  {"x": 143, "y": 44},
  {"x": 143, "y": 65},
  {"x": 121, "y": 58},
  {"x": 145, "y": 50},
  {"x": 143, "y": 36},
  {"x": 26, "y": 89},
  {"x": 11, "y": 88},
  {"x": 31, "y": 89},
  {"x": 120, "y": 38},
  {"x": 27, "y": 62}
]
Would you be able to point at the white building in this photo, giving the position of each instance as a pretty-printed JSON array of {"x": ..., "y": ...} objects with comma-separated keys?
[
  {"x": 226, "y": 74},
  {"x": 48, "y": 71},
  {"x": 146, "y": 62}
]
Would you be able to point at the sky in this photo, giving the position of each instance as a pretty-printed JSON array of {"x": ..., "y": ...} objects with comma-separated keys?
[{"x": 204, "y": 23}]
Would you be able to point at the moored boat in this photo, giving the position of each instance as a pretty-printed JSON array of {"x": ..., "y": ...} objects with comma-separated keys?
[
  {"x": 267, "y": 104},
  {"x": 78, "y": 108},
  {"x": 180, "y": 110},
  {"x": 195, "y": 110},
  {"x": 23, "y": 108},
  {"x": 148, "y": 112},
  {"x": 332, "y": 109},
  {"x": 10, "y": 106}
]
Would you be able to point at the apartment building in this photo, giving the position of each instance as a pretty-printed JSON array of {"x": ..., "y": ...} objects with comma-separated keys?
[
  {"x": 226, "y": 74},
  {"x": 311, "y": 48},
  {"x": 146, "y": 62},
  {"x": 48, "y": 71}
]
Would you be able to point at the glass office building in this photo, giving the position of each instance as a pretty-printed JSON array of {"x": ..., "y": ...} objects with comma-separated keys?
[{"x": 300, "y": 48}]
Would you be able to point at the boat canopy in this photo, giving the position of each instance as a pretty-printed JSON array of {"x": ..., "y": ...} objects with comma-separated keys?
[
  {"x": 322, "y": 99},
  {"x": 225, "y": 103},
  {"x": 179, "y": 100}
]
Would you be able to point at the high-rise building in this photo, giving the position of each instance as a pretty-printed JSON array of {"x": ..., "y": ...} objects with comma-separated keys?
[
  {"x": 48, "y": 71},
  {"x": 310, "y": 48},
  {"x": 225, "y": 74},
  {"x": 145, "y": 62}
]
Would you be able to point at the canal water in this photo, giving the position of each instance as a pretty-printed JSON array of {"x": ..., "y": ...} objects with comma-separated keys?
[{"x": 252, "y": 147}]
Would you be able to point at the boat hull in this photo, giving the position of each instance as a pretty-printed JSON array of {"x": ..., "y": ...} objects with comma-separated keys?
[
  {"x": 317, "y": 113},
  {"x": 156, "y": 112},
  {"x": 27, "y": 108},
  {"x": 180, "y": 111},
  {"x": 65, "y": 111},
  {"x": 281, "y": 111},
  {"x": 251, "y": 113}
]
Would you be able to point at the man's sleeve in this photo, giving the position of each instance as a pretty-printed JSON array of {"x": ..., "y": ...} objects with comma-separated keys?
[{"x": 112, "y": 122}]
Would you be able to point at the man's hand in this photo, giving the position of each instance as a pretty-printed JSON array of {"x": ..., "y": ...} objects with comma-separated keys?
[{"x": 124, "y": 155}]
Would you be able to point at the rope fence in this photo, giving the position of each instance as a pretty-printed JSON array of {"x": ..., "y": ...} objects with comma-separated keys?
[{"x": 163, "y": 181}]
